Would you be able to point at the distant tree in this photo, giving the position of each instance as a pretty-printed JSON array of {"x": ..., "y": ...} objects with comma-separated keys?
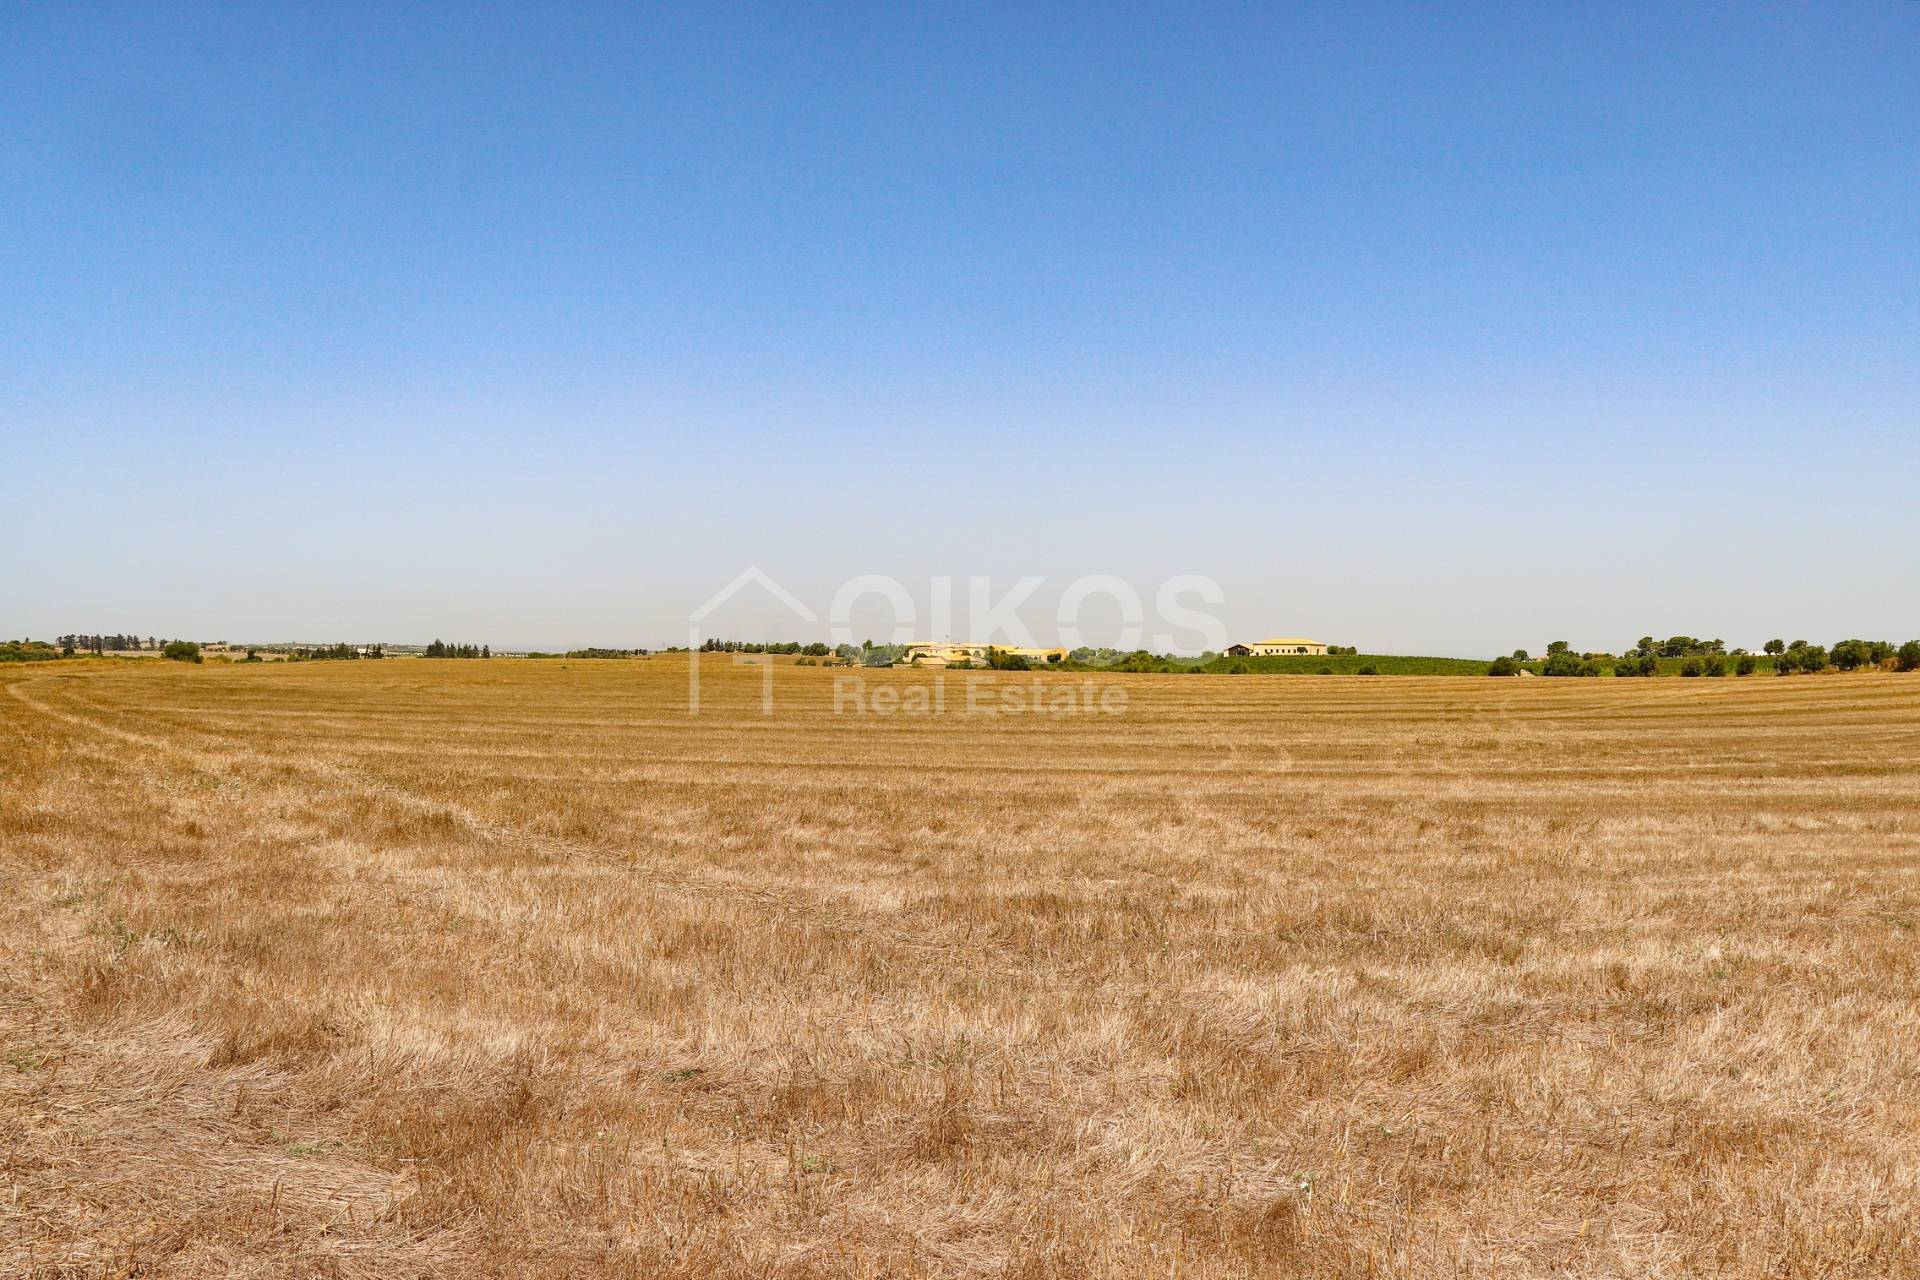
[
  {"x": 1502, "y": 667},
  {"x": 1776, "y": 646},
  {"x": 486, "y": 651},
  {"x": 1693, "y": 667},
  {"x": 1745, "y": 665},
  {"x": 1849, "y": 655},
  {"x": 1558, "y": 646},
  {"x": 1519, "y": 655},
  {"x": 1909, "y": 656},
  {"x": 181, "y": 651},
  {"x": 1715, "y": 664}
]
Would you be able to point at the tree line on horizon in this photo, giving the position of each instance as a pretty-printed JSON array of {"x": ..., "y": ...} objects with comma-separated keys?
[
  {"x": 815, "y": 650},
  {"x": 1710, "y": 658},
  {"x": 104, "y": 644},
  {"x": 328, "y": 653},
  {"x": 440, "y": 649}
]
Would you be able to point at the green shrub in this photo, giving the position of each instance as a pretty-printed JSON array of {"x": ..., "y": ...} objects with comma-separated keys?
[
  {"x": 181, "y": 651},
  {"x": 1801, "y": 656},
  {"x": 1850, "y": 654},
  {"x": 1746, "y": 665},
  {"x": 1909, "y": 656},
  {"x": 30, "y": 651},
  {"x": 1502, "y": 667}
]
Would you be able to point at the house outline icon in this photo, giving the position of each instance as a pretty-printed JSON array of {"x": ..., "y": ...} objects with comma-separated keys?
[{"x": 752, "y": 575}]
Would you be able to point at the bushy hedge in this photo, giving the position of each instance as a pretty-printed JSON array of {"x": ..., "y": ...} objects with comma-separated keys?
[
  {"x": 27, "y": 651},
  {"x": 1709, "y": 659}
]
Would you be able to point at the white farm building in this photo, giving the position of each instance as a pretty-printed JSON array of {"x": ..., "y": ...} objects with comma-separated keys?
[{"x": 1275, "y": 647}]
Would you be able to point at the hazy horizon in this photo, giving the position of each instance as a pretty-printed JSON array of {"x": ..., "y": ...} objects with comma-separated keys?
[{"x": 1426, "y": 331}]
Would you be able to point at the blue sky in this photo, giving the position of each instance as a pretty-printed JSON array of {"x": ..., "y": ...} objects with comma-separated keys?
[{"x": 1431, "y": 328}]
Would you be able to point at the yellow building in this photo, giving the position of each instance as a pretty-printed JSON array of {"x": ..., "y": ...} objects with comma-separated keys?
[{"x": 1276, "y": 646}]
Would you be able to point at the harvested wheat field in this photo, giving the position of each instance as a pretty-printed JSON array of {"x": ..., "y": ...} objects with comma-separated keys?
[{"x": 504, "y": 968}]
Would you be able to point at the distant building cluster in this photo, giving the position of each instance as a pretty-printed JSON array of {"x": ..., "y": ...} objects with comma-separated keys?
[{"x": 944, "y": 653}]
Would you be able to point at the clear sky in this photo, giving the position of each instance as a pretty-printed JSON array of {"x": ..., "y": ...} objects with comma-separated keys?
[{"x": 1428, "y": 328}]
